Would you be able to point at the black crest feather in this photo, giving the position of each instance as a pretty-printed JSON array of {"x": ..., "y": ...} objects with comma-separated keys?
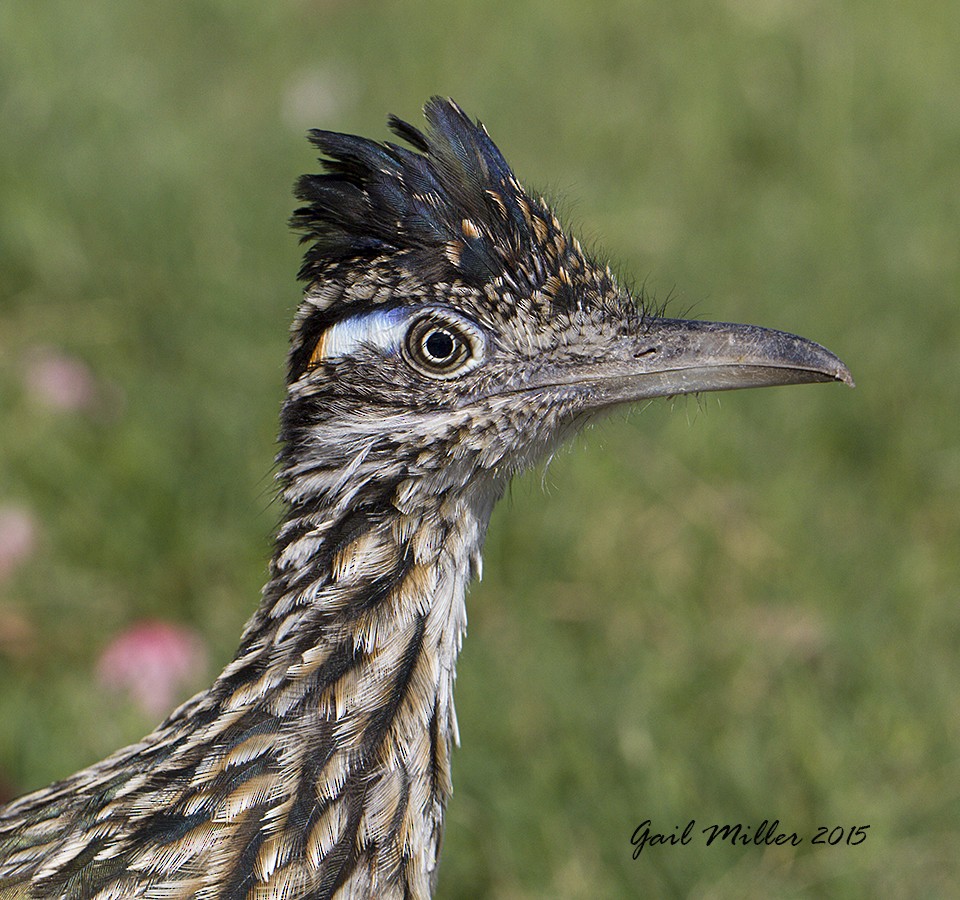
[{"x": 449, "y": 209}]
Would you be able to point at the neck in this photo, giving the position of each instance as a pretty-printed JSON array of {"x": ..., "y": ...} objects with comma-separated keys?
[{"x": 349, "y": 665}]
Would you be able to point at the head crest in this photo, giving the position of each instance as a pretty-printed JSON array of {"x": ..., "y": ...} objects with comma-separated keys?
[{"x": 449, "y": 209}]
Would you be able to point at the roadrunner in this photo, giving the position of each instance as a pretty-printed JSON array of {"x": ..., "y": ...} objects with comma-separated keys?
[{"x": 450, "y": 335}]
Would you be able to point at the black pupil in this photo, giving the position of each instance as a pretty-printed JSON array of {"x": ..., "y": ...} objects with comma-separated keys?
[{"x": 439, "y": 345}]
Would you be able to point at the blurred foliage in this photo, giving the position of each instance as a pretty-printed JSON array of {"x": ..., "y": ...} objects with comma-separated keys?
[{"x": 724, "y": 614}]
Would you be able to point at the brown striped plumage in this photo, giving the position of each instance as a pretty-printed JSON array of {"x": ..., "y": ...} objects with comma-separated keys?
[{"x": 450, "y": 335}]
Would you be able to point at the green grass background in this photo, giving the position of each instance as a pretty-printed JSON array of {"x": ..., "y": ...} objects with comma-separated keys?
[{"x": 725, "y": 610}]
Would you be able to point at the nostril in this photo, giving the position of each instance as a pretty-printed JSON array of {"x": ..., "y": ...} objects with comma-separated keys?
[{"x": 650, "y": 351}]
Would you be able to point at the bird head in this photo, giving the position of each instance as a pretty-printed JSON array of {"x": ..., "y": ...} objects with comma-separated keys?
[{"x": 450, "y": 319}]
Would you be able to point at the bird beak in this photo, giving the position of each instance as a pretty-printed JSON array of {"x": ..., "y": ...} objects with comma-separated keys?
[{"x": 667, "y": 357}]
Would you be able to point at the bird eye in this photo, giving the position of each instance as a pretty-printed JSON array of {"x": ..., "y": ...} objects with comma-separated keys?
[{"x": 441, "y": 348}]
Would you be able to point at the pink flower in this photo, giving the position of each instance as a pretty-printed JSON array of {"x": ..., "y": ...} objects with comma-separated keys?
[
  {"x": 18, "y": 538},
  {"x": 59, "y": 381},
  {"x": 153, "y": 662}
]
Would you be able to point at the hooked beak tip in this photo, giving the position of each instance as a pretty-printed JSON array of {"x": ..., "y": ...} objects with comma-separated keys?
[{"x": 843, "y": 374}]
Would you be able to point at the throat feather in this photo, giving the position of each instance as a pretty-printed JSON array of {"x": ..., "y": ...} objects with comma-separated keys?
[{"x": 361, "y": 643}]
